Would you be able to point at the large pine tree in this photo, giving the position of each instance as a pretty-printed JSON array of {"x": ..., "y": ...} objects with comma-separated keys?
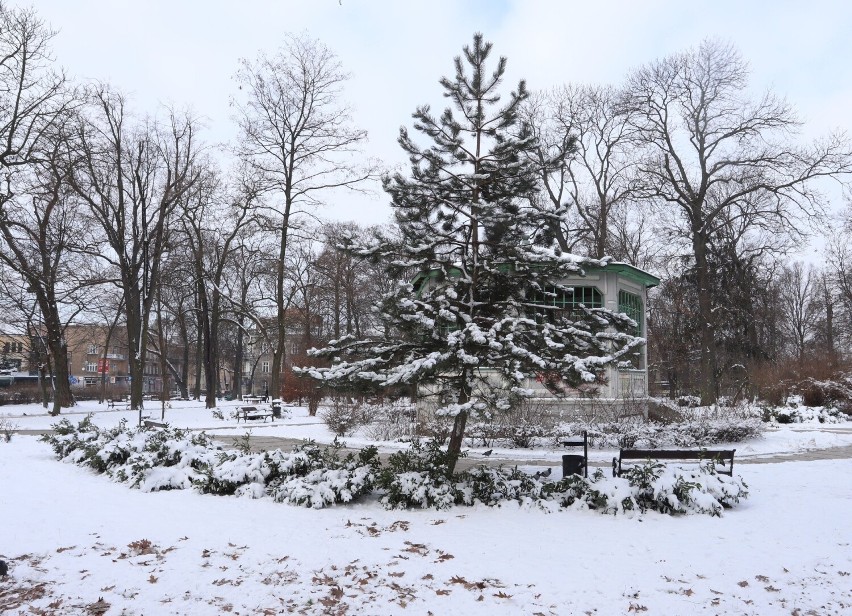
[{"x": 485, "y": 310}]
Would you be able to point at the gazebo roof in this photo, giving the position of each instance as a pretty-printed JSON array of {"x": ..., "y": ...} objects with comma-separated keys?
[{"x": 628, "y": 271}]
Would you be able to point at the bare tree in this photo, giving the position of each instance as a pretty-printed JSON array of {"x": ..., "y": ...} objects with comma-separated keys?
[
  {"x": 132, "y": 178},
  {"x": 797, "y": 287},
  {"x": 714, "y": 154},
  {"x": 839, "y": 264},
  {"x": 349, "y": 286},
  {"x": 299, "y": 138},
  {"x": 44, "y": 239},
  {"x": 33, "y": 100},
  {"x": 244, "y": 287},
  {"x": 177, "y": 315},
  {"x": 213, "y": 222},
  {"x": 588, "y": 132},
  {"x": 37, "y": 224}
]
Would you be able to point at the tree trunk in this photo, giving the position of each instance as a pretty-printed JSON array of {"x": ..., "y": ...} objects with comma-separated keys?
[
  {"x": 184, "y": 369},
  {"x": 459, "y": 424},
  {"x": 237, "y": 391},
  {"x": 164, "y": 359},
  {"x": 135, "y": 355},
  {"x": 602, "y": 230},
  {"x": 208, "y": 353},
  {"x": 110, "y": 332},
  {"x": 62, "y": 396},
  {"x": 705, "y": 312},
  {"x": 199, "y": 354},
  {"x": 42, "y": 382},
  {"x": 829, "y": 324}
]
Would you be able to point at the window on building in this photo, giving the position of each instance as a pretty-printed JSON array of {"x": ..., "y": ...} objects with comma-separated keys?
[
  {"x": 93, "y": 349},
  {"x": 91, "y": 366},
  {"x": 294, "y": 350},
  {"x": 558, "y": 302},
  {"x": 264, "y": 367},
  {"x": 631, "y": 305}
]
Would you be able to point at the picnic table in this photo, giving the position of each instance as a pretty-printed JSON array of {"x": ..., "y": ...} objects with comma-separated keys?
[
  {"x": 117, "y": 401},
  {"x": 252, "y": 412}
]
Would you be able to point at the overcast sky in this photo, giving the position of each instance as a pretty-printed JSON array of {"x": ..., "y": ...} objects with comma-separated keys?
[{"x": 185, "y": 52}]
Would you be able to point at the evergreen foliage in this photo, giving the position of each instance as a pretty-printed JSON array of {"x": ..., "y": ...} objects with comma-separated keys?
[
  {"x": 316, "y": 476},
  {"x": 483, "y": 313}
]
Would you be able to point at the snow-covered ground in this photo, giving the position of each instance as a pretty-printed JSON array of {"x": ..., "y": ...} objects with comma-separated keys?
[
  {"x": 74, "y": 538},
  {"x": 780, "y": 439}
]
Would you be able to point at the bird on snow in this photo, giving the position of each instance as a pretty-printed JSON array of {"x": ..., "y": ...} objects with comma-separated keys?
[
  {"x": 488, "y": 453},
  {"x": 544, "y": 473}
]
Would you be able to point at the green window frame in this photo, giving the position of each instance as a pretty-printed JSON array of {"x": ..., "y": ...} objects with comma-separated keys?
[
  {"x": 566, "y": 300},
  {"x": 631, "y": 305}
]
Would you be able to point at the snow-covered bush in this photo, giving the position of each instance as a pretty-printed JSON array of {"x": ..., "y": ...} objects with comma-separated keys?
[
  {"x": 164, "y": 459},
  {"x": 317, "y": 476},
  {"x": 310, "y": 476},
  {"x": 834, "y": 392},
  {"x": 417, "y": 477},
  {"x": 523, "y": 423},
  {"x": 68, "y": 438},
  {"x": 651, "y": 435},
  {"x": 493, "y": 486},
  {"x": 577, "y": 492},
  {"x": 7, "y": 427},
  {"x": 433, "y": 426},
  {"x": 343, "y": 418},
  {"x": 148, "y": 459},
  {"x": 388, "y": 422},
  {"x": 686, "y": 427},
  {"x": 670, "y": 489},
  {"x": 803, "y": 414},
  {"x": 240, "y": 473}
]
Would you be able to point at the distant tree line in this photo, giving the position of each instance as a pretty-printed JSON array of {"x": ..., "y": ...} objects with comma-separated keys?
[{"x": 112, "y": 216}]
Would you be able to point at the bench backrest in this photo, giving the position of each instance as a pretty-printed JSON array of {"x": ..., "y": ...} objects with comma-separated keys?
[
  {"x": 677, "y": 454},
  {"x": 248, "y": 409},
  {"x": 719, "y": 456}
]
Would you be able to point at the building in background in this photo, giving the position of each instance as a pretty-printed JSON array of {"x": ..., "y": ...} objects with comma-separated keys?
[
  {"x": 89, "y": 360},
  {"x": 14, "y": 352}
]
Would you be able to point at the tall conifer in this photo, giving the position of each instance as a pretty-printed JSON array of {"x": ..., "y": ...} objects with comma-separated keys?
[{"x": 485, "y": 310}]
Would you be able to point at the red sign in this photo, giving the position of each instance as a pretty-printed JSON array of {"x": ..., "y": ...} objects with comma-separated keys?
[{"x": 103, "y": 366}]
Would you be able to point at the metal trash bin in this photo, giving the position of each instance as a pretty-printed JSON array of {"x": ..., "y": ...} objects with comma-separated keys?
[
  {"x": 573, "y": 464},
  {"x": 276, "y": 409}
]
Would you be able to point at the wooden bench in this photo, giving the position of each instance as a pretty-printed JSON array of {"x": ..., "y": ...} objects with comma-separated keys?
[
  {"x": 719, "y": 456},
  {"x": 252, "y": 412}
]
